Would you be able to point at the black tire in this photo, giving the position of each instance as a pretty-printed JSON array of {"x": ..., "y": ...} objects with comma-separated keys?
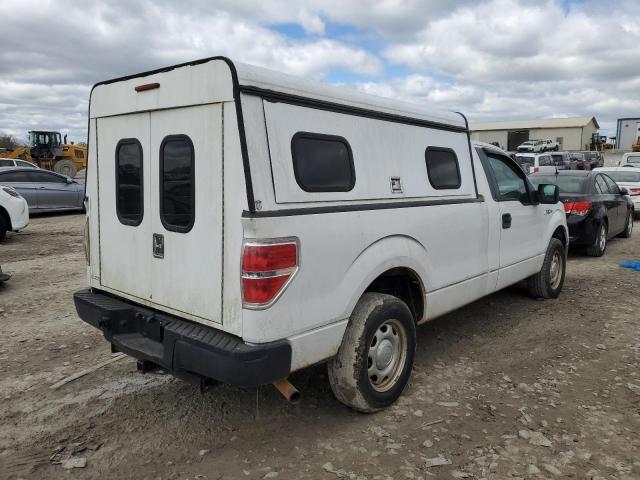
[
  {"x": 352, "y": 373},
  {"x": 65, "y": 167},
  {"x": 548, "y": 282},
  {"x": 3, "y": 227},
  {"x": 628, "y": 228},
  {"x": 599, "y": 245}
]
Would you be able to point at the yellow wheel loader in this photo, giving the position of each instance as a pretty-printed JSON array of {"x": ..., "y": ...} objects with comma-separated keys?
[{"x": 47, "y": 150}]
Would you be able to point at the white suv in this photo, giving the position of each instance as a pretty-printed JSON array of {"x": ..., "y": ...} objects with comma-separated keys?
[
  {"x": 536, "y": 162},
  {"x": 243, "y": 224}
]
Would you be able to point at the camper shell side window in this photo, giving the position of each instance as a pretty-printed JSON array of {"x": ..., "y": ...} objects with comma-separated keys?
[
  {"x": 322, "y": 163},
  {"x": 443, "y": 169},
  {"x": 129, "y": 186},
  {"x": 177, "y": 183}
]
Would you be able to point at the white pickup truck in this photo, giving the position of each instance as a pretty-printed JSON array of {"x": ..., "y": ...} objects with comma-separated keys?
[{"x": 243, "y": 224}]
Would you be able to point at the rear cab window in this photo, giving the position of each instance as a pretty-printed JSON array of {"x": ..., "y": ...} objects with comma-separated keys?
[
  {"x": 129, "y": 188},
  {"x": 565, "y": 183},
  {"x": 177, "y": 183},
  {"x": 322, "y": 163}
]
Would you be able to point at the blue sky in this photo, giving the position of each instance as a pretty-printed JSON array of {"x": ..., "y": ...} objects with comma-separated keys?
[{"x": 491, "y": 59}]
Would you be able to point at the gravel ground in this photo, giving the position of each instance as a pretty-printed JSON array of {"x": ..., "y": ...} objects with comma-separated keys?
[{"x": 507, "y": 387}]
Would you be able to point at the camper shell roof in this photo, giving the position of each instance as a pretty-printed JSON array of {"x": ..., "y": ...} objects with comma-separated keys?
[{"x": 260, "y": 81}]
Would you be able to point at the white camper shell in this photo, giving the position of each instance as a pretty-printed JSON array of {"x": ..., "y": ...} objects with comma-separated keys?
[{"x": 243, "y": 224}]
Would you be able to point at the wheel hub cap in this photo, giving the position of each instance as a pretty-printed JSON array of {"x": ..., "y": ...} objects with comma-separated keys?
[{"x": 387, "y": 355}]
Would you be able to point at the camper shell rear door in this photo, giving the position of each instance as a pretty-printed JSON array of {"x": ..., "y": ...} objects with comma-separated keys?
[{"x": 170, "y": 256}]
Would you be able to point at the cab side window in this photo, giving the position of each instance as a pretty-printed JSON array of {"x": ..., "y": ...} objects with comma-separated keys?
[{"x": 510, "y": 184}]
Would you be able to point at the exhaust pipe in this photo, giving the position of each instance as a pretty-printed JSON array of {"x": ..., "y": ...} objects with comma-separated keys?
[{"x": 288, "y": 391}]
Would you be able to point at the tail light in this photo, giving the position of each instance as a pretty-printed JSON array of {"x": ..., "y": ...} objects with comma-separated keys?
[
  {"x": 634, "y": 191},
  {"x": 535, "y": 170},
  {"x": 267, "y": 268},
  {"x": 577, "y": 208}
]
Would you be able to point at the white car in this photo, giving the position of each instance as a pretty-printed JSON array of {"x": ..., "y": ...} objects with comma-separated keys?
[
  {"x": 14, "y": 211},
  {"x": 14, "y": 162},
  {"x": 536, "y": 162},
  {"x": 630, "y": 159},
  {"x": 282, "y": 223},
  {"x": 551, "y": 146},
  {"x": 629, "y": 178},
  {"x": 532, "y": 146}
]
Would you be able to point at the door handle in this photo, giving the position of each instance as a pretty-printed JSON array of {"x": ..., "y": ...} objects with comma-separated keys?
[{"x": 506, "y": 220}]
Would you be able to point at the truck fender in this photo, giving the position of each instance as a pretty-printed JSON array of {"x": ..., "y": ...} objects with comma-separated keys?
[{"x": 386, "y": 253}]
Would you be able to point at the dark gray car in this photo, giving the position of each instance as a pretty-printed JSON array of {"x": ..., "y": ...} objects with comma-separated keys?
[{"x": 43, "y": 190}]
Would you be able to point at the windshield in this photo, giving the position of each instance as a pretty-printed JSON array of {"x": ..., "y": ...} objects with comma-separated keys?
[
  {"x": 566, "y": 183},
  {"x": 622, "y": 176}
]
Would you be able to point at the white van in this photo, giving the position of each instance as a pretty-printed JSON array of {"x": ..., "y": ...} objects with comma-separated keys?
[
  {"x": 536, "y": 162},
  {"x": 243, "y": 224}
]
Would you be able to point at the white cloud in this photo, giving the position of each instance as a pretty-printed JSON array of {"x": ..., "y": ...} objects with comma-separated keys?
[{"x": 492, "y": 59}]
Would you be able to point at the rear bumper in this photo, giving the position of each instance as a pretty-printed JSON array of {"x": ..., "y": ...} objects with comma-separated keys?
[
  {"x": 186, "y": 349},
  {"x": 582, "y": 230}
]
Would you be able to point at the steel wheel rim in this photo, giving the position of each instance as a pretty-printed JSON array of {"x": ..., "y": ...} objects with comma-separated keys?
[
  {"x": 602, "y": 240},
  {"x": 555, "y": 270},
  {"x": 387, "y": 355}
]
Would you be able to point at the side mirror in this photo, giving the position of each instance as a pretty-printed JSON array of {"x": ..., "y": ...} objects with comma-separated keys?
[
  {"x": 548, "y": 194},
  {"x": 69, "y": 180},
  {"x": 624, "y": 191}
]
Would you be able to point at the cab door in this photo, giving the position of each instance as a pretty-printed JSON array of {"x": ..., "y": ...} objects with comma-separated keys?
[
  {"x": 520, "y": 220},
  {"x": 621, "y": 203}
]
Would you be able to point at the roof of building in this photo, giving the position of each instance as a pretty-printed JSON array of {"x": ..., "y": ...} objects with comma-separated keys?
[{"x": 570, "y": 122}]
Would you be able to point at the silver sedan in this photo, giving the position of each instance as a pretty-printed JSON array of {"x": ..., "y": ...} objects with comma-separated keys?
[{"x": 43, "y": 190}]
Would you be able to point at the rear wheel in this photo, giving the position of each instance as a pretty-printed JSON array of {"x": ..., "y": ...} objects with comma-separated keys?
[
  {"x": 628, "y": 229},
  {"x": 65, "y": 167},
  {"x": 374, "y": 362},
  {"x": 547, "y": 283},
  {"x": 600, "y": 243}
]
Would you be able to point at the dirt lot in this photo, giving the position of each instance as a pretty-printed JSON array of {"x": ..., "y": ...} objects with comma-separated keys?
[{"x": 508, "y": 387}]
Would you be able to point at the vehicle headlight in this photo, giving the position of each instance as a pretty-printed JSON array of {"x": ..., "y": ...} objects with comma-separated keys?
[{"x": 11, "y": 192}]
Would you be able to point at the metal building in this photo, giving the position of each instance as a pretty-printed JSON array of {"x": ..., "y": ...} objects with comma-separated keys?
[
  {"x": 572, "y": 133},
  {"x": 627, "y": 133}
]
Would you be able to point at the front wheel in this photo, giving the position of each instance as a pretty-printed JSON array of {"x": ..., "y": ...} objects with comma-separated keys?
[
  {"x": 599, "y": 245},
  {"x": 547, "y": 283},
  {"x": 374, "y": 362},
  {"x": 3, "y": 228}
]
